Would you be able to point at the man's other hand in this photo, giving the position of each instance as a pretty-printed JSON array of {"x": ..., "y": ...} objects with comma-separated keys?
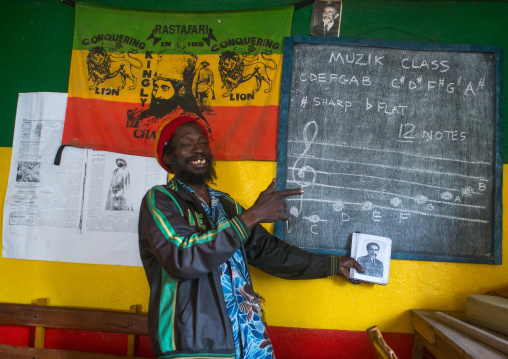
[{"x": 345, "y": 264}]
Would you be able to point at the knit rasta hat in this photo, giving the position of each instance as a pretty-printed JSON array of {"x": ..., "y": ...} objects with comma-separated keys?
[{"x": 166, "y": 130}]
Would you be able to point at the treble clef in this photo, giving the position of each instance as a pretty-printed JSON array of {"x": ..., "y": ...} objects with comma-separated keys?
[{"x": 299, "y": 173}]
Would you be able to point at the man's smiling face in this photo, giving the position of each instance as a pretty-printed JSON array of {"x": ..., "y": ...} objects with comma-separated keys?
[{"x": 190, "y": 158}]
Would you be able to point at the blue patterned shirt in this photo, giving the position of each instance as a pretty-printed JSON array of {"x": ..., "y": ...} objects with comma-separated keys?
[{"x": 249, "y": 331}]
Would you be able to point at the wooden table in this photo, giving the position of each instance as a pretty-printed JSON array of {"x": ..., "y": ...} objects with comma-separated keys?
[{"x": 445, "y": 342}]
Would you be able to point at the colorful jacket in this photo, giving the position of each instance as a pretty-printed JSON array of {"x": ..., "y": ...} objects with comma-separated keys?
[{"x": 181, "y": 252}]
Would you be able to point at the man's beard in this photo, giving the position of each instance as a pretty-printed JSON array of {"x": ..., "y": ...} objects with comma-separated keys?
[
  {"x": 160, "y": 107},
  {"x": 191, "y": 178}
]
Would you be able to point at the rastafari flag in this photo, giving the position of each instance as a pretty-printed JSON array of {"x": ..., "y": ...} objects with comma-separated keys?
[{"x": 131, "y": 70}]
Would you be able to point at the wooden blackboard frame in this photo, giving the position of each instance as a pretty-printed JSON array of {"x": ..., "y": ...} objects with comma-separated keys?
[{"x": 289, "y": 44}]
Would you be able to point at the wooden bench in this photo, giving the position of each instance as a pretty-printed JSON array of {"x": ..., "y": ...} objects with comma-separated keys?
[{"x": 41, "y": 317}]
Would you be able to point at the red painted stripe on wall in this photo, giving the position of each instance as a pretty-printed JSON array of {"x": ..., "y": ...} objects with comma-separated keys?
[
  {"x": 13, "y": 335},
  {"x": 300, "y": 343},
  {"x": 288, "y": 343},
  {"x": 79, "y": 340}
]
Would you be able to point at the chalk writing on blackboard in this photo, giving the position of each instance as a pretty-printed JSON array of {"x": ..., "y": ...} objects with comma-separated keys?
[{"x": 397, "y": 142}]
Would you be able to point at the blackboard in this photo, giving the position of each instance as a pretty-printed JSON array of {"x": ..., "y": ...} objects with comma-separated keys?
[{"x": 400, "y": 140}]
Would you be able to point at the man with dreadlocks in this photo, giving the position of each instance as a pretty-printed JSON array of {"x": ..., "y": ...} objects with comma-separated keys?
[{"x": 196, "y": 244}]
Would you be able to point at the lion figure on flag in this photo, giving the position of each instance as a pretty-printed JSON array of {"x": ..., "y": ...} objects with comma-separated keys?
[
  {"x": 103, "y": 66},
  {"x": 236, "y": 69}
]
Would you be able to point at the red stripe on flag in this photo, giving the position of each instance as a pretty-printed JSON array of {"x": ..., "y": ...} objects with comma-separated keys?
[
  {"x": 238, "y": 133},
  {"x": 245, "y": 132},
  {"x": 101, "y": 132}
]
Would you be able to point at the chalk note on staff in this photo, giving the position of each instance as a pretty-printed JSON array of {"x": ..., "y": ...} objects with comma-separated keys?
[{"x": 400, "y": 140}]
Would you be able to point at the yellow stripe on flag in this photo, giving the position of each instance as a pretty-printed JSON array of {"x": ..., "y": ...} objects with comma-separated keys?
[{"x": 128, "y": 78}]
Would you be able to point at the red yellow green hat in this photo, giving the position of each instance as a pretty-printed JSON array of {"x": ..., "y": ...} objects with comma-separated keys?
[{"x": 166, "y": 130}]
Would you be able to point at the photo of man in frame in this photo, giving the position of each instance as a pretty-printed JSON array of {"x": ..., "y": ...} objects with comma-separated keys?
[
  {"x": 326, "y": 18},
  {"x": 373, "y": 266}
]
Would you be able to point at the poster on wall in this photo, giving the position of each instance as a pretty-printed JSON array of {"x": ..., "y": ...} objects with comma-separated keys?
[
  {"x": 85, "y": 210},
  {"x": 131, "y": 70}
]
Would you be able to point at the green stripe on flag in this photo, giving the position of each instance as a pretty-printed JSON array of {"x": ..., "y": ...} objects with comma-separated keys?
[{"x": 205, "y": 32}]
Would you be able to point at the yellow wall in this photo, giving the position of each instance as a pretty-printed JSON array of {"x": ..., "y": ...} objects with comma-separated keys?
[{"x": 331, "y": 303}]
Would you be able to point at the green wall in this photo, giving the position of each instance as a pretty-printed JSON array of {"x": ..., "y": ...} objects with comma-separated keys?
[{"x": 36, "y": 36}]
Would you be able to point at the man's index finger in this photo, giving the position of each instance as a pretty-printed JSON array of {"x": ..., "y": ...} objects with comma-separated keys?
[{"x": 291, "y": 192}]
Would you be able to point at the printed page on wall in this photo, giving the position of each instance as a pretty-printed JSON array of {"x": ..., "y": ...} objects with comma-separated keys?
[
  {"x": 86, "y": 209},
  {"x": 374, "y": 254}
]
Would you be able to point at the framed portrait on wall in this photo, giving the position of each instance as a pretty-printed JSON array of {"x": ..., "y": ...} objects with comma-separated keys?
[{"x": 326, "y": 17}]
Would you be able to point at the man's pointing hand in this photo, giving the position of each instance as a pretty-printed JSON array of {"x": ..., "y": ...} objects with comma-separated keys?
[{"x": 269, "y": 206}]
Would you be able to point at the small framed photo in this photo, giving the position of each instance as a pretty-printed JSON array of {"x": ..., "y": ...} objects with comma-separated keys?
[
  {"x": 326, "y": 17},
  {"x": 374, "y": 255}
]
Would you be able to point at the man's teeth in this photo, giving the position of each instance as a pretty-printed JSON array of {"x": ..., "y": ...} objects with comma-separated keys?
[{"x": 198, "y": 162}]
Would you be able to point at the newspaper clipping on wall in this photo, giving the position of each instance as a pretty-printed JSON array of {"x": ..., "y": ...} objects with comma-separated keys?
[{"x": 86, "y": 209}]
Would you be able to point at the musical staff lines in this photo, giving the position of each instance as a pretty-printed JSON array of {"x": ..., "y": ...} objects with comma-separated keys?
[
  {"x": 391, "y": 209},
  {"x": 391, "y": 152},
  {"x": 348, "y": 183}
]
